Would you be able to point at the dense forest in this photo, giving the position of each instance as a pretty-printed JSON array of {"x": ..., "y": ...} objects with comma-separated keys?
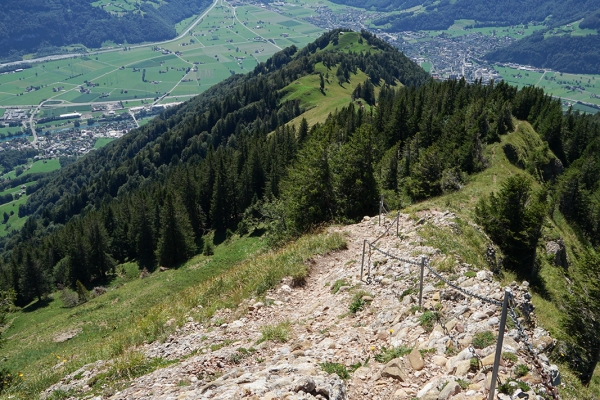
[
  {"x": 441, "y": 15},
  {"x": 574, "y": 54},
  {"x": 34, "y": 25},
  {"x": 229, "y": 160}
]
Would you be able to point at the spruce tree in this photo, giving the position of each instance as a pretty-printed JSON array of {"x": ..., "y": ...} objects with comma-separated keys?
[
  {"x": 176, "y": 242},
  {"x": 34, "y": 281}
]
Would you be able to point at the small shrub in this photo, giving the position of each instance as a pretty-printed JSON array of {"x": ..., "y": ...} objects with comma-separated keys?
[
  {"x": 209, "y": 248},
  {"x": 82, "y": 292},
  {"x": 386, "y": 355},
  {"x": 470, "y": 274},
  {"x": 481, "y": 340},
  {"x": 338, "y": 284},
  {"x": 276, "y": 333},
  {"x": 98, "y": 291},
  {"x": 69, "y": 298},
  {"x": 428, "y": 320},
  {"x": 521, "y": 370},
  {"x": 336, "y": 368}
]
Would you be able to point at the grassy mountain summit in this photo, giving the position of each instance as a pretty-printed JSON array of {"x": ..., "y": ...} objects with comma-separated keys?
[{"x": 311, "y": 136}]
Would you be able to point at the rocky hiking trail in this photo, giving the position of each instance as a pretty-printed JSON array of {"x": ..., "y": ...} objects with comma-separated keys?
[{"x": 388, "y": 349}]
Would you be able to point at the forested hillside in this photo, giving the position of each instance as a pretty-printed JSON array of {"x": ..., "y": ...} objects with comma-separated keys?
[
  {"x": 241, "y": 157},
  {"x": 574, "y": 54},
  {"x": 442, "y": 14},
  {"x": 35, "y": 25}
]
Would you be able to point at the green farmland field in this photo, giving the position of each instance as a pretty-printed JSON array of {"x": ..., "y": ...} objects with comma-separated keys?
[{"x": 228, "y": 40}]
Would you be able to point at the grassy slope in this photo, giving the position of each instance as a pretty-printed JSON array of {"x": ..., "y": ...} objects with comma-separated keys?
[
  {"x": 30, "y": 347},
  {"x": 471, "y": 244},
  {"x": 135, "y": 310},
  {"x": 307, "y": 89}
]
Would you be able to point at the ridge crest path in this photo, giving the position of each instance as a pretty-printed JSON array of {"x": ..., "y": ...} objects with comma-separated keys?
[{"x": 210, "y": 365}]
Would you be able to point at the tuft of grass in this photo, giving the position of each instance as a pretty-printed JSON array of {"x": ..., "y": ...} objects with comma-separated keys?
[
  {"x": 470, "y": 274},
  {"x": 241, "y": 354},
  {"x": 521, "y": 370},
  {"x": 358, "y": 304},
  {"x": 510, "y": 357},
  {"x": 483, "y": 339},
  {"x": 428, "y": 319},
  {"x": 338, "y": 284},
  {"x": 509, "y": 389},
  {"x": 464, "y": 385},
  {"x": 275, "y": 333},
  {"x": 218, "y": 346},
  {"x": 474, "y": 364},
  {"x": 386, "y": 355},
  {"x": 336, "y": 368},
  {"x": 128, "y": 366}
]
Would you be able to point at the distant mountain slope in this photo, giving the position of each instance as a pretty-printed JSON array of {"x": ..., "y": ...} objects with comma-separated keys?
[
  {"x": 574, "y": 54},
  {"x": 442, "y": 14},
  {"x": 34, "y": 25}
]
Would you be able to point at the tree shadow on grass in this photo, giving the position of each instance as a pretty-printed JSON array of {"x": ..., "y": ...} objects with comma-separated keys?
[{"x": 36, "y": 305}]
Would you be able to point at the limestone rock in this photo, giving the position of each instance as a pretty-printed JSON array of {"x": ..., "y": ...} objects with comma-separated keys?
[
  {"x": 452, "y": 388},
  {"x": 394, "y": 369},
  {"x": 416, "y": 360}
]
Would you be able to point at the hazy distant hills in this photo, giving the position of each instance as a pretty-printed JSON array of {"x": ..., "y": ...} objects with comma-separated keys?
[
  {"x": 40, "y": 26},
  {"x": 441, "y": 15}
]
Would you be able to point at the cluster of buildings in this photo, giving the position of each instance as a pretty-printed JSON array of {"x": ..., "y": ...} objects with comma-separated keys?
[
  {"x": 452, "y": 57},
  {"x": 14, "y": 115}
]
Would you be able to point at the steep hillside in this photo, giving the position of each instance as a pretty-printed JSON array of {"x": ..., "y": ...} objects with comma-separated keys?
[
  {"x": 338, "y": 337},
  {"x": 28, "y": 26},
  {"x": 574, "y": 54},
  {"x": 436, "y": 15},
  {"x": 244, "y": 159}
]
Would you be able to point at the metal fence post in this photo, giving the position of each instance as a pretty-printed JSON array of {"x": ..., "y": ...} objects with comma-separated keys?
[
  {"x": 421, "y": 284},
  {"x": 380, "y": 208},
  {"x": 398, "y": 224},
  {"x": 362, "y": 264},
  {"x": 507, "y": 295}
]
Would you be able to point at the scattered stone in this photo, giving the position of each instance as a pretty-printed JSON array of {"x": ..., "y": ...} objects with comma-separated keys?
[
  {"x": 68, "y": 335},
  {"x": 416, "y": 360},
  {"x": 452, "y": 388}
]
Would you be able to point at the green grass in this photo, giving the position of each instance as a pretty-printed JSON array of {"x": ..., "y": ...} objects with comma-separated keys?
[
  {"x": 101, "y": 142},
  {"x": 481, "y": 340},
  {"x": 570, "y": 87},
  {"x": 42, "y": 166},
  {"x": 14, "y": 222},
  {"x": 336, "y": 368},
  {"x": 318, "y": 104},
  {"x": 136, "y": 310},
  {"x": 275, "y": 333},
  {"x": 469, "y": 244},
  {"x": 113, "y": 71},
  {"x": 386, "y": 355}
]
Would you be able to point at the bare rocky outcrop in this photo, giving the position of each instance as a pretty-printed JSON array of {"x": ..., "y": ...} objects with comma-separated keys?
[{"x": 224, "y": 358}]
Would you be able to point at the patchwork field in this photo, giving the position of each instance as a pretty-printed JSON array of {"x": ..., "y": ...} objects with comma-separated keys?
[
  {"x": 228, "y": 40},
  {"x": 571, "y": 88}
]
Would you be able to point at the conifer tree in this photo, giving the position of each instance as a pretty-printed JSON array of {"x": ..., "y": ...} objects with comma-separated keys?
[
  {"x": 176, "y": 242},
  {"x": 33, "y": 280}
]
